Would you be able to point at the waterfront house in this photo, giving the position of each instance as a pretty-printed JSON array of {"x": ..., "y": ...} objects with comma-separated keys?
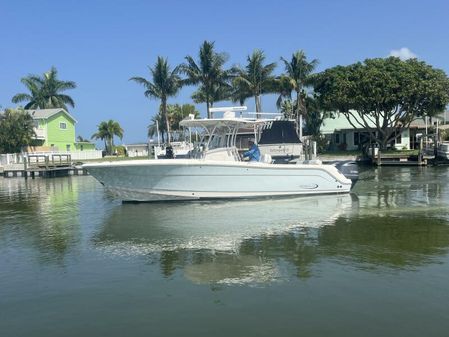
[
  {"x": 341, "y": 135},
  {"x": 55, "y": 131}
]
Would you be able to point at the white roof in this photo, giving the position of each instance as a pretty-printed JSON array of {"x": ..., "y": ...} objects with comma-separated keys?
[
  {"x": 136, "y": 145},
  {"x": 47, "y": 113},
  {"x": 209, "y": 123}
]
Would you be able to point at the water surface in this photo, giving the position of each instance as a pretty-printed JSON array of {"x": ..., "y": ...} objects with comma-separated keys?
[{"x": 76, "y": 262}]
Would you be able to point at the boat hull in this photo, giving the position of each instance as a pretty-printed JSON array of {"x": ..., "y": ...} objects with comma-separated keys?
[{"x": 196, "y": 179}]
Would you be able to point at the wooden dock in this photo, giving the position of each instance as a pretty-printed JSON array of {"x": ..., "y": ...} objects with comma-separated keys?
[
  {"x": 392, "y": 159},
  {"x": 379, "y": 158},
  {"x": 44, "y": 166}
]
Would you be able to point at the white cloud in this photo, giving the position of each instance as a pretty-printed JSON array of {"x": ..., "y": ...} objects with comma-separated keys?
[{"x": 403, "y": 53}]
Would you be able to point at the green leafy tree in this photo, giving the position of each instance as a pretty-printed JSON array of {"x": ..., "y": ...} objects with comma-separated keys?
[
  {"x": 384, "y": 94},
  {"x": 296, "y": 78},
  {"x": 106, "y": 132},
  {"x": 16, "y": 130},
  {"x": 315, "y": 117},
  {"x": 257, "y": 77},
  {"x": 208, "y": 72},
  {"x": 165, "y": 83},
  {"x": 46, "y": 91}
]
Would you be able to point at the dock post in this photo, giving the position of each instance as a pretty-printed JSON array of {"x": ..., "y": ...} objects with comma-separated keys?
[
  {"x": 420, "y": 154},
  {"x": 25, "y": 158},
  {"x": 310, "y": 150},
  {"x": 306, "y": 150},
  {"x": 314, "y": 149}
]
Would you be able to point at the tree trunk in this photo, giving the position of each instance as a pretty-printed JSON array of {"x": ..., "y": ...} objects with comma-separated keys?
[
  {"x": 298, "y": 110},
  {"x": 383, "y": 144},
  {"x": 208, "y": 106},
  {"x": 167, "y": 123},
  {"x": 298, "y": 104},
  {"x": 109, "y": 145},
  {"x": 258, "y": 105}
]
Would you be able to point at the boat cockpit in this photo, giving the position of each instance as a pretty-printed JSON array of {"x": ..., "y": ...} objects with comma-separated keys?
[{"x": 219, "y": 135}]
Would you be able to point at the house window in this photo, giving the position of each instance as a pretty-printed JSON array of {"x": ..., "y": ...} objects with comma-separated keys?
[
  {"x": 344, "y": 138},
  {"x": 337, "y": 138},
  {"x": 81, "y": 147},
  {"x": 63, "y": 125},
  {"x": 67, "y": 147}
]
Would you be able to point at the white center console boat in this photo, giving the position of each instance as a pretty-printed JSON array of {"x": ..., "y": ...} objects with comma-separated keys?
[{"x": 216, "y": 170}]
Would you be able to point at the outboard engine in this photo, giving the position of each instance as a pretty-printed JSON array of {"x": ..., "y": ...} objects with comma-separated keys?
[
  {"x": 349, "y": 169},
  {"x": 169, "y": 152}
]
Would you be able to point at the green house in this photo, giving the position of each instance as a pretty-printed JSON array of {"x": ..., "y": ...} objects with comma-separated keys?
[
  {"x": 55, "y": 131},
  {"x": 341, "y": 134}
]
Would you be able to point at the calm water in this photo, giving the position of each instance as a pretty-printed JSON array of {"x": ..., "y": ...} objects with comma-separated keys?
[{"x": 75, "y": 262}]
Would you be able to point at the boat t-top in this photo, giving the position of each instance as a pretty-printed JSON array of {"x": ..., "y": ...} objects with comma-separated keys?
[{"x": 216, "y": 170}]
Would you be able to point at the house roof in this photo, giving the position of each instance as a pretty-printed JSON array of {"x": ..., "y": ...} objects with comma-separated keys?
[
  {"x": 340, "y": 122},
  {"x": 47, "y": 113}
]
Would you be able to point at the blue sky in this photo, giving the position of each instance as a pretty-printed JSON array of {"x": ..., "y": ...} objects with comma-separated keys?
[{"x": 101, "y": 44}]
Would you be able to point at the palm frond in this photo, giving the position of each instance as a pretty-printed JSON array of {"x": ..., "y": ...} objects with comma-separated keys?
[
  {"x": 21, "y": 97},
  {"x": 45, "y": 91}
]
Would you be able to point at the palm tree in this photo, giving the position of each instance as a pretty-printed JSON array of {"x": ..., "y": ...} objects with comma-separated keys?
[
  {"x": 180, "y": 112},
  {"x": 208, "y": 72},
  {"x": 107, "y": 131},
  {"x": 286, "y": 107},
  {"x": 102, "y": 134},
  {"x": 298, "y": 72},
  {"x": 46, "y": 91},
  {"x": 216, "y": 94},
  {"x": 257, "y": 78},
  {"x": 81, "y": 139},
  {"x": 157, "y": 121},
  {"x": 165, "y": 83},
  {"x": 239, "y": 92},
  {"x": 176, "y": 113},
  {"x": 284, "y": 89}
]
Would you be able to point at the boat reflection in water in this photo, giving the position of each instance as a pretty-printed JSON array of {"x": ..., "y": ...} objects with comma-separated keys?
[
  {"x": 258, "y": 242},
  {"x": 207, "y": 238}
]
